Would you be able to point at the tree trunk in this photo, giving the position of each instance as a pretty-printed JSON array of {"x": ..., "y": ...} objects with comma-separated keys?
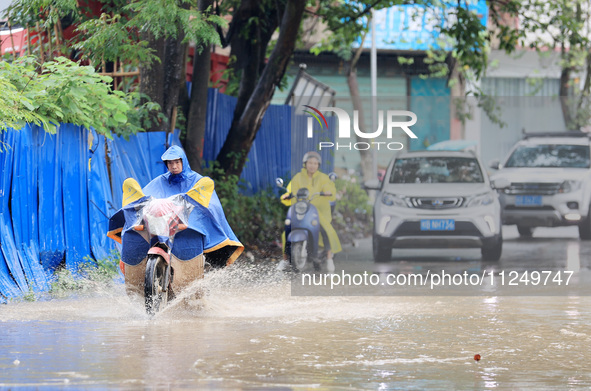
[
  {"x": 160, "y": 80},
  {"x": 564, "y": 88},
  {"x": 244, "y": 39},
  {"x": 174, "y": 72},
  {"x": 198, "y": 102},
  {"x": 232, "y": 156},
  {"x": 366, "y": 155},
  {"x": 184, "y": 100},
  {"x": 565, "y": 98},
  {"x": 583, "y": 113},
  {"x": 249, "y": 42},
  {"x": 152, "y": 78}
]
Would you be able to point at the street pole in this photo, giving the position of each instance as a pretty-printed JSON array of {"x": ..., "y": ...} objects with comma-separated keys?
[{"x": 374, "y": 91}]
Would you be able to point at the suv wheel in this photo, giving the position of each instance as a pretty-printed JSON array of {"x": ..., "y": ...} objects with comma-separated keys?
[
  {"x": 492, "y": 249},
  {"x": 382, "y": 251},
  {"x": 525, "y": 232},
  {"x": 585, "y": 228}
]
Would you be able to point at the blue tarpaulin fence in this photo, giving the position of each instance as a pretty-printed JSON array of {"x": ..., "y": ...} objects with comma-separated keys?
[{"x": 57, "y": 191}]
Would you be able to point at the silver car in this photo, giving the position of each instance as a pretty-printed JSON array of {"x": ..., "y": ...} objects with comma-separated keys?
[
  {"x": 436, "y": 199},
  {"x": 548, "y": 182}
]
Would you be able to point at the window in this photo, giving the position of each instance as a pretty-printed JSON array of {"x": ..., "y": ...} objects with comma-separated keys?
[
  {"x": 550, "y": 155},
  {"x": 436, "y": 169}
]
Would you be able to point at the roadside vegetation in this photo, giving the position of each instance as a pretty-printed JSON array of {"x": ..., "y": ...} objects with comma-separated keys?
[
  {"x": 62, "y": 91},
  {"x": 91, "y": 275},
  {"x": 352, "y": 218}
]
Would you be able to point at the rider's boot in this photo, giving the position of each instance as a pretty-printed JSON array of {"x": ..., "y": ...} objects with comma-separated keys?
[
  {"x": 329, "y": 265},
  {"x": 283, "y": 265}
]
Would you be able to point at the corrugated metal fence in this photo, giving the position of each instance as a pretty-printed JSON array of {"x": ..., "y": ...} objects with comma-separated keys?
[{"x": 56, "y": 195}]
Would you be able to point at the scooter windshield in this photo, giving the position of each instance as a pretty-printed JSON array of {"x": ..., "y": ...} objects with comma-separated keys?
[
  {"x": 302, "y": 193},
  {"x": 163, "y": 217}
]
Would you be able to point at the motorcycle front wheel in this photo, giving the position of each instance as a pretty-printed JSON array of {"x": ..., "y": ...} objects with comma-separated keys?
[
  {"x": 299, "y": 255},
  {"x": 155, "y": 295}
]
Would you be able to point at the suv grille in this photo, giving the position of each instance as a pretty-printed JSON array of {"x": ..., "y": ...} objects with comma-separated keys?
[
  {"x": 436, "y": 203},
  {"x": 532, "y": 188}
]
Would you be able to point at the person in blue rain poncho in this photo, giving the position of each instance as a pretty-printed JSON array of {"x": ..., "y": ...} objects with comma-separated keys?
[
  {"x": 221, "y": 247},
  {"x": 179, "y": 178}
]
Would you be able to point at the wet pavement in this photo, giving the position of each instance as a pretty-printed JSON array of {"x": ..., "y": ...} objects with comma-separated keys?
[{"x": 250, "y": 332}]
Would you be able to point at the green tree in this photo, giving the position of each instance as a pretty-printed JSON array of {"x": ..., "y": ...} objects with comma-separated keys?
[
  {"x": 151, "y": 35},
  {"x": 459, "y": 53},
  {"x": 262, "y": 34},
  {"x": 563, "y": 26},
  {"x": 62, "y": 91}
]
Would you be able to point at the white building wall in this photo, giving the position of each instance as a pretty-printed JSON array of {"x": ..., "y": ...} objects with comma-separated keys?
[{"x": 525, "y": 87}]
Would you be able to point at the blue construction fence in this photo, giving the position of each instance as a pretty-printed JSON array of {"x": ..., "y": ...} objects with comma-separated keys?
[{"x": 57, "y": 191}]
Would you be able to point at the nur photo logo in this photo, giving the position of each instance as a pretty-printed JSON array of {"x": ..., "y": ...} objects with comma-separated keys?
[
  {"x": 315, "y": 113},
  {"x": 393, "y": 119}
]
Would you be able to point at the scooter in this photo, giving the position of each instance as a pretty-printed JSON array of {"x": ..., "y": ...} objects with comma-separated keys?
[
  {"x": 302, "y": 227},
  {"x": 155, "y": 255}
]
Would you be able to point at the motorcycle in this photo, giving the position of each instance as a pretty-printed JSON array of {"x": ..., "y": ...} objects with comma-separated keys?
[
  {"x": 302, "y": 227},
  {"x": 162, "y": 246}
]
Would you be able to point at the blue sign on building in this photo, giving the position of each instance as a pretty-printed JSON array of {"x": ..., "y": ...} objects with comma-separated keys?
[{"x": 416, "y": 27}]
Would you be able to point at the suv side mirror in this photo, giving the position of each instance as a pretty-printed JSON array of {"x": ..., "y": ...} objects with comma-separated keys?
[
  {"x": 372, "y": 184},
  {"x": 494, "y": 164},
  {"x": 500, "y": 183}
]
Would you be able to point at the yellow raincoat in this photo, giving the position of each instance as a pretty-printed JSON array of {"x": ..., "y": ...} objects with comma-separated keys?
[{"x": 319, "y": 182}]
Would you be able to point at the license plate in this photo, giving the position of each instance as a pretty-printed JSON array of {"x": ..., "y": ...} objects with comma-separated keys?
[
  {"x": 526, "y": 200},
  {"x": 438, "y": 225}
]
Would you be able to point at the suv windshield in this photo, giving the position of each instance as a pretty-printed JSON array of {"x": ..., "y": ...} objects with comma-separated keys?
[
  {"x": 436, "y": 169},
  {"x": 550, "y": 155}
]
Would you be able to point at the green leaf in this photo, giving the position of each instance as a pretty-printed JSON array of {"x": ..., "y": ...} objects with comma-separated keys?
[{"x": 120, "y": 117}]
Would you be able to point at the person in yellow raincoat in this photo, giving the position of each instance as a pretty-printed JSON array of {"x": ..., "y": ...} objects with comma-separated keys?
[{"x": 315, "y": 181}]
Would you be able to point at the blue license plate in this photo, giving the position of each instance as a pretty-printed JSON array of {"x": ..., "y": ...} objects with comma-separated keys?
[
  {"x": 438, "y": 225},
  {"x": 526, "y": 200}
]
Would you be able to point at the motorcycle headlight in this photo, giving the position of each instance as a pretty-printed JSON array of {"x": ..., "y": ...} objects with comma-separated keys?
[
  {"x": 301, "y": 207},
  {"x": 481, "y": 199},
  {"x": 569, "y": 186},
  {"x": 393, "y": 200}
]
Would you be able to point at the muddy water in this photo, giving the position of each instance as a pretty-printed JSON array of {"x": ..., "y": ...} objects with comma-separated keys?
[{"x": 249, "y": 332}]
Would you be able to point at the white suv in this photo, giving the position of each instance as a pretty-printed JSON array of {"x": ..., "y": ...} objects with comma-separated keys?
[
  {"x": 436, "y": 199},
  {"x": 546, "y": 182}
]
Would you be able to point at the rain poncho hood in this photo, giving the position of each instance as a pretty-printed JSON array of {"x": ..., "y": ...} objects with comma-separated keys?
[{"x": 169, "y": 184}]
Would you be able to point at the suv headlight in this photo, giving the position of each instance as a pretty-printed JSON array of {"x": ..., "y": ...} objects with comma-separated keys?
[
  {"x": 393, "y": 200},
  {"x": 569, "y": 186},
  {"x": 480, "y": 199}
]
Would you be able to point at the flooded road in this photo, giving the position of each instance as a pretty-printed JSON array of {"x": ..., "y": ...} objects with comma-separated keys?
[{"x": 250, "y": 332}]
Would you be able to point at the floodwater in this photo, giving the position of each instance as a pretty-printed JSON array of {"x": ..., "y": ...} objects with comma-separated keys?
[{"x": 249, "y": 332}]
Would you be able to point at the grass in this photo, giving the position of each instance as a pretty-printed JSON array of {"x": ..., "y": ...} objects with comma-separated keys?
[{"x": 90, "y": 275}]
